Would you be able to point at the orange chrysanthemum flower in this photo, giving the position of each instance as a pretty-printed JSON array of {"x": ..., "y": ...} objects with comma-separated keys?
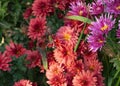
[
  {"x": 84, "y": 78},
  {"x": 24, "y": 82},
  {"x": 64, "y": 55},
  {"x": 66, "y": 35}
]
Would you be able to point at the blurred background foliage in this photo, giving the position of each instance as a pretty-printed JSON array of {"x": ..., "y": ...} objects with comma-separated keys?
[{"x": 14, "y": 27}]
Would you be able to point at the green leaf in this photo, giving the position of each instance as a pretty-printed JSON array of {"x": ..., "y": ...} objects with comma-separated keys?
[
  {"x": 116, "y": 63},
  {"x": 44, "y": 59},
  {"x": 80, "y": 18}
]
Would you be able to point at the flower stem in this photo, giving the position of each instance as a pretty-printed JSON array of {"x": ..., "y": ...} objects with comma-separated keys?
[{"x": 80, "y": 37}]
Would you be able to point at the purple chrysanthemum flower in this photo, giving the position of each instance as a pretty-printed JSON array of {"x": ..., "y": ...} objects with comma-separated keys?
[
  {"x": 102, "y": 25},
  {"x": 118, "y": 31},
  {"x": 96, "y": 8},
  {"x": 96, "y": 41},
  {"x": 105, "y": 1},
  {"x": 113, "y": 7},
  {"x": 78, "y": 8}
]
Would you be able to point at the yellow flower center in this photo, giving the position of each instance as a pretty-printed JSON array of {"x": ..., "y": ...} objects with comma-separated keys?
[
  {"x": 91, "y": 68},
  {"x": 105, "y": 27},
  {"x": 100, "y": 41},
  {"x": 118, "y": 7},
  {"x": 80, "y": 13},
  {"x": 55, "y": 71},
  {"x": 67, "y": 36}
]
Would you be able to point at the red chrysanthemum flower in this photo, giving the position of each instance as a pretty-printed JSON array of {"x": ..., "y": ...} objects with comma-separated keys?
[
  {"x": 27, "y": 13},
  {"x": 64, "y": 55},
  {"x": 4, "y": 62},
  {"x": 23, "y": 82},
  {"x": 37, "y": 28},
  {"x": 84, "y": 78},
  {"x": 42, "y": 7},
  {"x": 33, "y": 58},
  {"x": 66, "y": 35},
  {"x": 83, "y": 51},
  {"x": 16, "y": 50},
  {"x": 61, "y": 4}
]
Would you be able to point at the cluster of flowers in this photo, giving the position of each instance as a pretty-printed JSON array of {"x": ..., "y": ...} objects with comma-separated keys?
[{"x": 66, "y": 67}]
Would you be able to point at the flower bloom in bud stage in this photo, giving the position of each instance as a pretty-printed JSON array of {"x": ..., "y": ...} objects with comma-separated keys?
[{"x": 37, "y": 28}]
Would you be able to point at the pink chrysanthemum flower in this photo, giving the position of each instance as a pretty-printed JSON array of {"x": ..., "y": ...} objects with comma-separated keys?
[
  {"x": 64, "y": 55},
  {"x": 100, "y": 80},
  {"x": 4, "y": 62},
  {"x": 33, "y": 58},
  {"x": 42, "y": 7},
  {"x": 113, "y": 7},
  {"x": 118, "y": 31},
  {"x": 66, "y": 35},
  {"x": 93, "y": 65},
  {"x": 95, "y": 41},
  {"x": 78, "y": 8},
  {"x": 96, "y": 8},
  {"x": 105, "y": 1},
  {"x": 83, "y": 51},
  {"x": 16, "y": 50},
  {"x": 103, "y": 25},
  {"x": 37, "y": 28},
  {"x": 24, "y": 82},
  {"x": 55, "y": 75},
  {"x": 27, "y": 13},
  {"x": 84, "y": 78}
]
